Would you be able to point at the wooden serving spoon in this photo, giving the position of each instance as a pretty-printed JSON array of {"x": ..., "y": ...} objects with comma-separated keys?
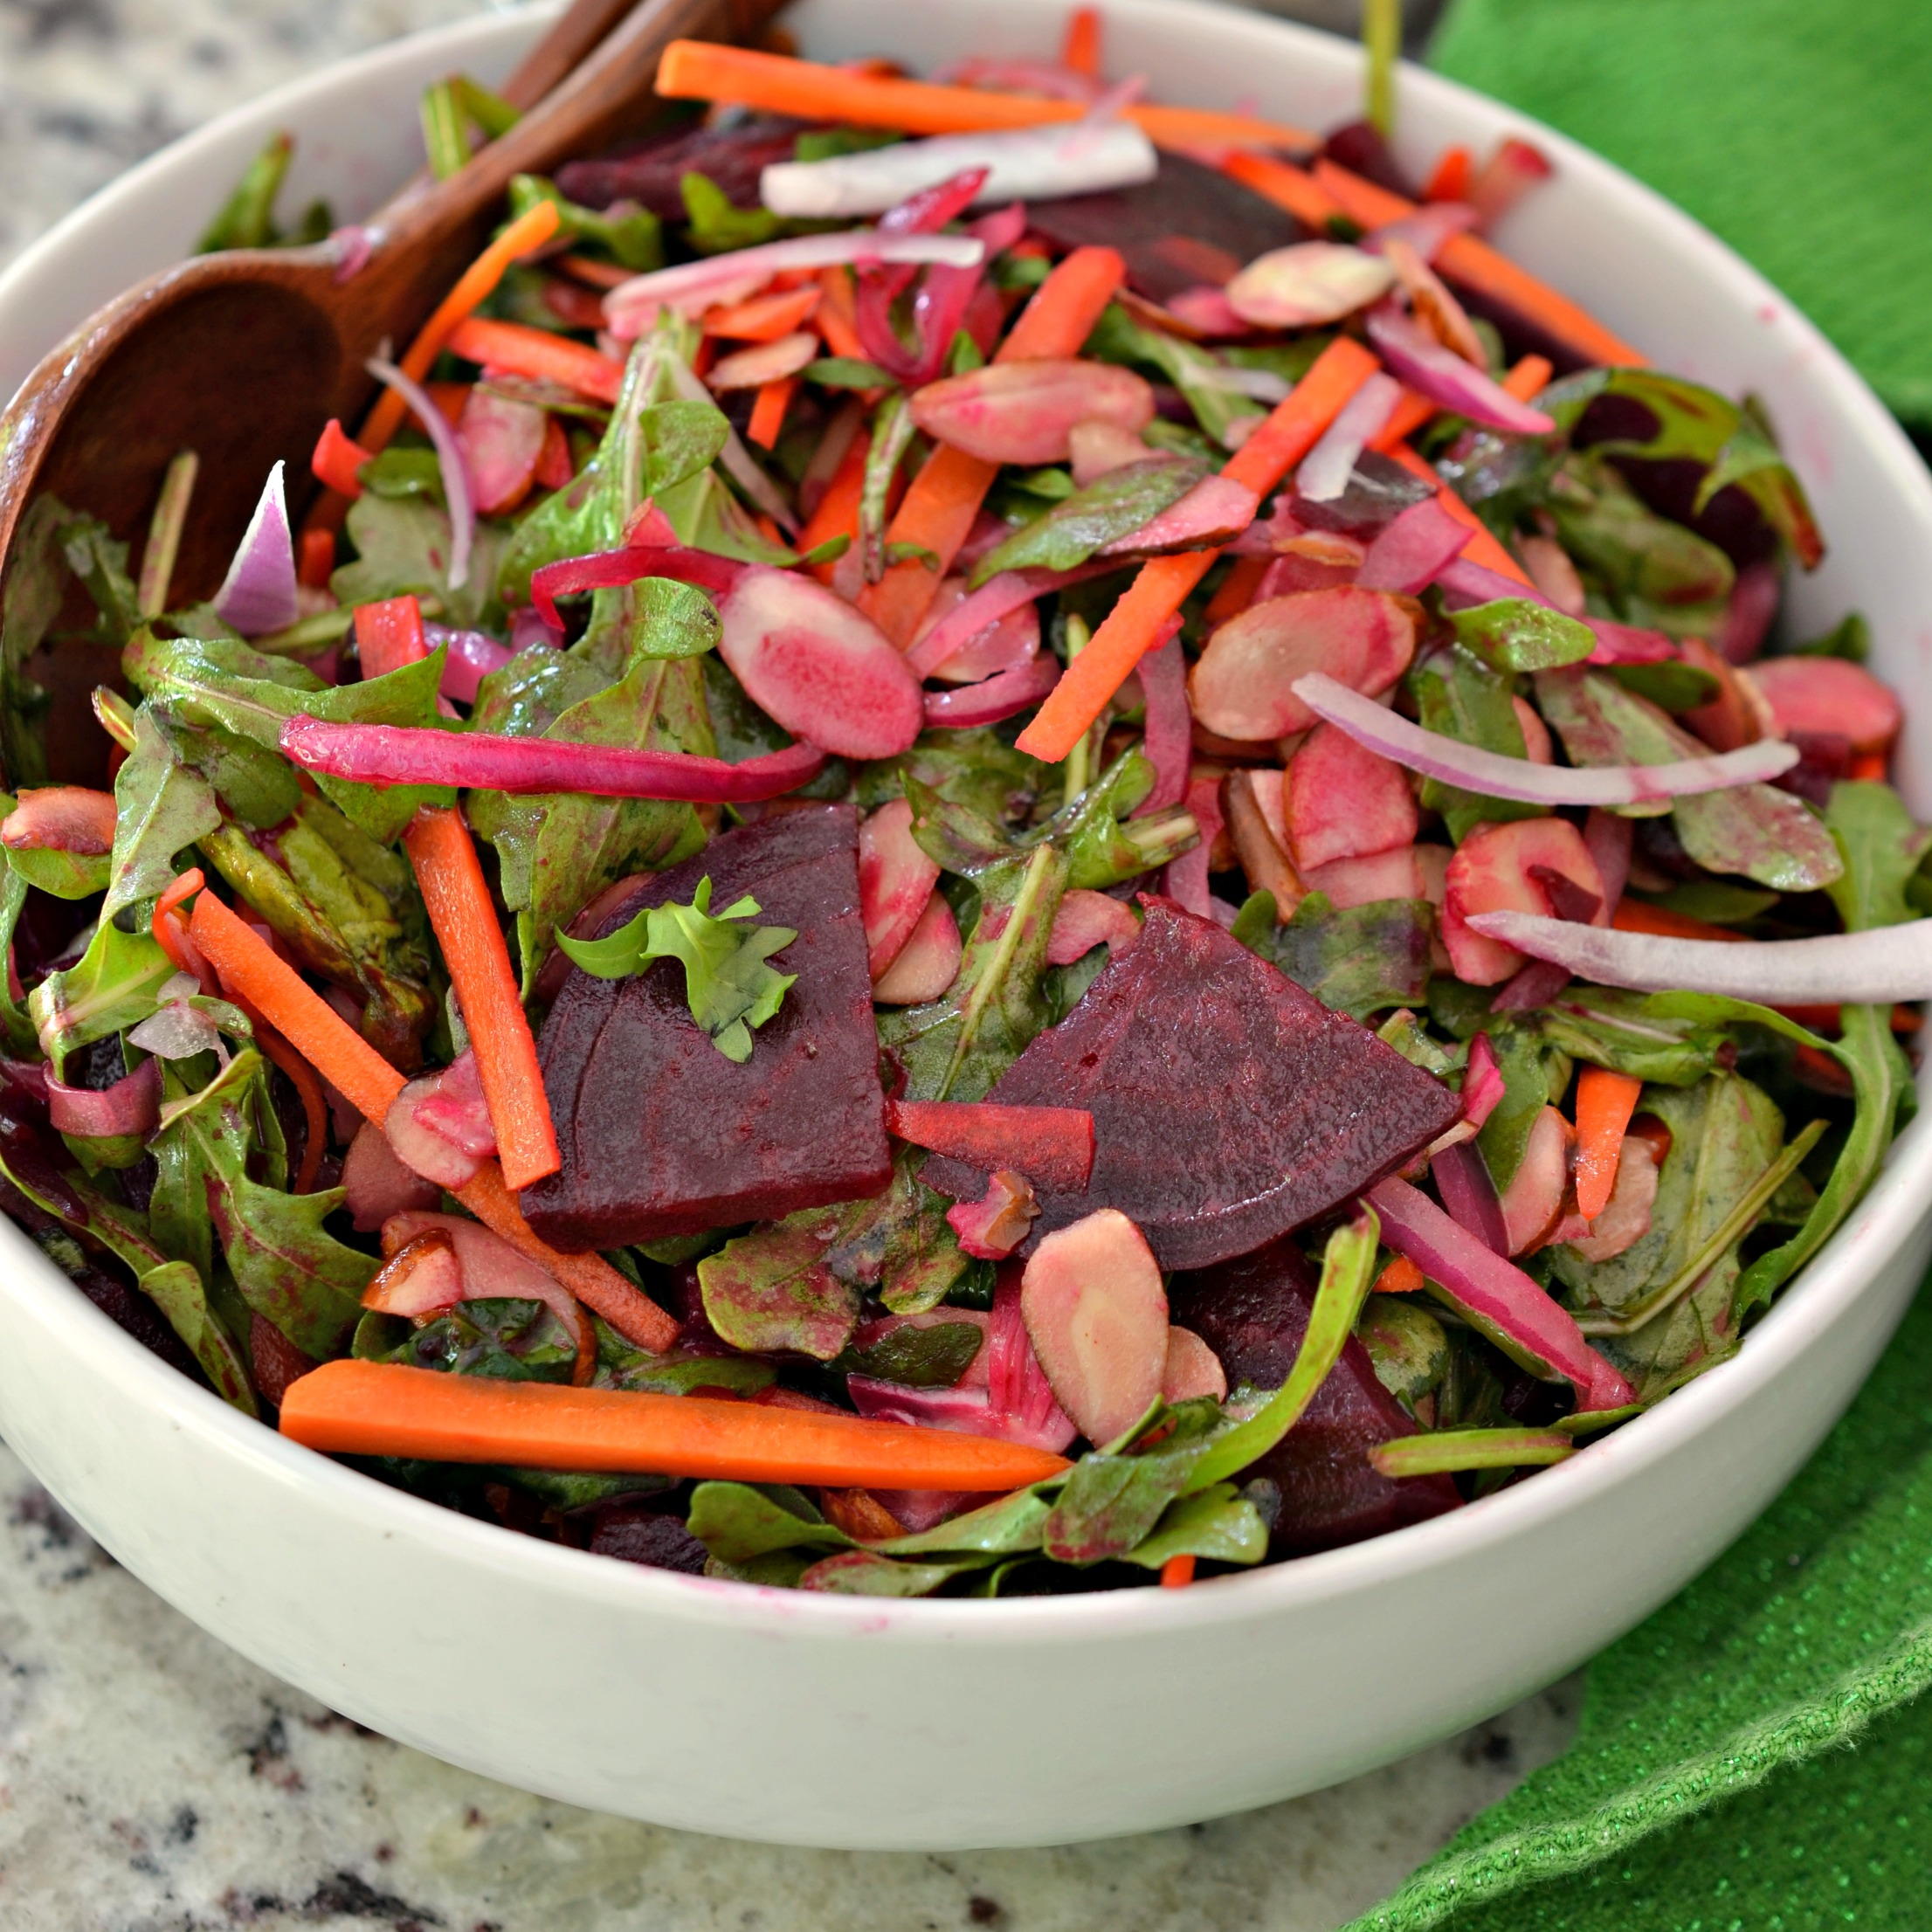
[{"x": 244, "y": 356}]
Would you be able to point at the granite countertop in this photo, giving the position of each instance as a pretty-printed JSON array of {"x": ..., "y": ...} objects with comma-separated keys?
[{"x": 151, "y": 1781}]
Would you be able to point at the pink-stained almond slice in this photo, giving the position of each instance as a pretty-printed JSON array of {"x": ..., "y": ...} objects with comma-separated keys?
[
  {"x": 927, "y": 963},
  {"x": 1534, "y": 1200},
  {"x": 420, "y": 1280},
  {"x": 1096, "y": 1313},
  {"x": 1626, "y": 1220},
  {"x": 1343, "y": 801},
  {"x": 1087, "y": 919},
  {"x": 895, "y": 881},
  {"x": 1098, "y": 446},
  {"x": 1025, "y": 412},
  {"x": 1192, "y": 1369},
  {"x": 1828, "y": 695},
  {"x": 1494, "y": 870},
  {"x": 1307, "y": 284}
]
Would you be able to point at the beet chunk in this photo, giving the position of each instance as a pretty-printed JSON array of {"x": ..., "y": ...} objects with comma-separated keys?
[
  {"x": 661, "y": 1134},
  {"x": 638, "y": 1536},
  {"x": 1228, "y": 1106},
  {"x": 1191, "y": 225},
  {"x": 1252, "y": 1313},
  {"x": 650, "y": 171}
]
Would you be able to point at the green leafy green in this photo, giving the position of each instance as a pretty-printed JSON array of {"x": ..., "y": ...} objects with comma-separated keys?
[
  {"x": 1198, "y": 373},
  {"x": 1514, "y": 634},
  {"x": 1112, "y": 1497},
  {"x": 111, "y": 987},
  {"x": 162, "y": 807},
  {"x": 847, "y": 372},
  {"x": 1624, "y": 1031},
  {"x": 246, "y": 219},
  {"x": 508, "y": 1339},
  {"x": 1358, "y": 959},
  {"x": 714, "y": 226},
  {"x": 632, "y": 235},
  {"x": 1409, "y": 1350},
  {"x": 1463, "y": 698},
  {"x": 739, "y": 1521},
  {"x": 933, "y": 1357},
  {"x": 728, "y": 986},
  {"x": 1450, "y": 1450},
  {"x": 402, "y": 549},
  {"x": 178, "y": 1291},
  {"x": 1112, "y": 506},
  {"x": 772, "y": 1288}
]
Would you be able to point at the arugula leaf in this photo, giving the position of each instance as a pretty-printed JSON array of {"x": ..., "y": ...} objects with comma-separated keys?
[
  {"x": 177, "y": 1291},
  {"x": 772, "y": 1289},
  {"x": 1360, "y": 959},
  {"x": 632, "y": 236},
  {"x": 729, "y": 987},
  {"x": 934, "y": 1357},
  {"x": 847, "y": 372},
  {"x": 403, "y": 548},
  {"x": 1514, "y": 634},
  {"x": 739, "y": 1521},
  {"x": 1111, "y": 507},
  {"x": 161, "y": 808},
  {"x": 246, "y": 219},
  {"x": 714, "y": 226},
  {"x": 1219, "y": 1525},
  {"x": 63, "y": 874},
  {"x": 1112, "y": 1497},
  {"x": 1462, "y": 698},
  {"x": 1624, "y": 1031},
  {"x": 1197, "y": 373},
  {"x": 1533, "y": 1076},
  {"x": 35, "y": 588},
  {"x": 1409, "y": 1350},
  {"x": 507, "y": 1338},
  {"x": 1882, "y": 848},
  {"x": 900, "y": 1244},
  {"x": 112, "y": 986},
  {"x": 866, "y": 1573}
]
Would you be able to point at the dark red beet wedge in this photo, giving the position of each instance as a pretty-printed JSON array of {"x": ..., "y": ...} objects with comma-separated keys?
[
  {"x": 1228, "y": 1106},
  {"x": 661, "y": 1134},
  {"x": 1189, "y": 225},
  {"x": 650, "y": 170},
  {"x": 1252, "y": 1313}
]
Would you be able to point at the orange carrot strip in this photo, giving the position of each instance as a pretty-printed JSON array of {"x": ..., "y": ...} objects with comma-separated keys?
[
  {"x": 518, "y": 349},
  {"x": 383, "y": 1408},
  {"x": 703, "y": 70},
  {"x": 1286, "y": 185},
  {"x": 530, "y": 230},
  {"x": 1236, "y": 590},
  {"x": 1470, "y": 260},
  {"x": 1869, "y": 765},
  {"x": 449, "y": 398},
  {"x": 838, "y": 511},
  {"x": 316, "y": 559},
  {"x": 1481, "y": 548},
  {"x": 462, "y": 917},
  {"x": 588, "y": 268},
  {"x": 767, "y": 411},
  {"x": 765, "y": 318},
  {"x": 1633, "y": 916},
  {"x": 248, "y": 965},
  {"x": 941, "y": 501},
  {"x": 170, "y": 930},
  {"x": 1411, "y": 412},
  {"x": 1401, "y": 1276},
  {"x": 1081, "y": 49},
  {"x": 1449, "y": 179},
  {"x": 1606, "y": 1101},
  {"x": 1283, "y": 439},
  {"x": 389, "y": 635},
  {"x": 837, "y": 316},
  {"x": 1529, "y": 377},
  {"x": 1177, "y": 1572},
  {"x": 338, "y": 457}
]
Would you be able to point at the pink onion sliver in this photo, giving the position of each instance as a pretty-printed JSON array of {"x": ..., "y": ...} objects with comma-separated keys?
[
  {"x": 530, "y": 629},
  {"x": 1482, "y": 1082},
  {"x": 1530, "y": 986},
  {"x": 132, "y": 1105},
  {"x": 993, "y": 600},
  {"x": 1877, "y": 967},
  {"x": 449, "y": 459},
  {"x": 1607, "y": 837},
  {"x": 257, "y": 594},
  {"x": 1436, "y": 756},
  {"x": 1463, "y": 1180},
  {"x": 353, "y": 245},
  {"x": 1748, "y": 616},
  {"x": 1168, "y": 738},
  {"x": 1495, "y": 1292},
  {"x": 1325, "y": 470},
  {"x": 971, "y": 1411},
  {"x": 1442, "y": 376},
  {"x": 1016, "y": 1385},
  {"x": 417, "y": 754},
  {"x": 1414, "y": 550},
  {"x": 473, "y": 656},
  {"x": 995, "y": 698}
]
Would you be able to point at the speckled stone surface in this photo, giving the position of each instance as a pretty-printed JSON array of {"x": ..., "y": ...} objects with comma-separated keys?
[{"x": 150, "y": 1781}]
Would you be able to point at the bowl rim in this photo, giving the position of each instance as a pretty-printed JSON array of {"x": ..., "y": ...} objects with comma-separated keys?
[{"x": 1845, "y": 1268}]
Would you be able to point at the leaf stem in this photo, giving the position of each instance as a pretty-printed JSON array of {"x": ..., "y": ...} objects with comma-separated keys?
[{"x": 157, "y": 560}]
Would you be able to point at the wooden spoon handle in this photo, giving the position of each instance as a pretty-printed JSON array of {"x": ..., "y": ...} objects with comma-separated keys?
[
  {"x": 605, "y": 96},
  {"x": 584, "y": 26}
]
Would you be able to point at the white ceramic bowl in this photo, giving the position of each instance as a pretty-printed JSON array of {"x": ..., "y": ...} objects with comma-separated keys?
[{"x": 837, "y": 1721}]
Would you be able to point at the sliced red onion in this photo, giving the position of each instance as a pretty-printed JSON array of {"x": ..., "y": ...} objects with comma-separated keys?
[
  {"x": 353, "y": 245},
  {"x": 1000, "y": 696},
  {"x": 971, "y": 1411},
  {"x": 1216, "y": 510},
  {"x": 1495, "y": 1292},
  {"x": 1011, "y": 590},
  {"x": 1482, "y": 1082},
  {"x": 418, "y": 755},
  {"x": 692, "y": 286},
  {"x": 132, "y": 1105},
  {"x": 1187, "y": 876},
  {"x": 1414, "y": 550},
  {"x": 257, "y": 595},
  {"x": 945, "y": 301},
  {"x": 1443, "y": 377},
  {"x": 1890, "y": 963},
  {"x": 1041, "y": 163},
  {"x": 449, "y": 459},
  {"x": 1463, "y": 1179},
  {"x": 175, "y": 1030},
  {"x": 1168, "y": 734},
  {"x": 1436, "y": 756},
  {"x": 1325, "y": 470},
  {"x": 1016, "y": 1383},
  {"x": 472, "y": 656},
  {"x": 741, "y": 466}
]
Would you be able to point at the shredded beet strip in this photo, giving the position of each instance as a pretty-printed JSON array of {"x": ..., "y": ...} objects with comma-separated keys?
[{"x": 413, "y": 754}]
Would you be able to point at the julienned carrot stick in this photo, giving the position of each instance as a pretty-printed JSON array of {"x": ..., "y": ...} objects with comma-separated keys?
[
  {"x": 765, "y": 318},
  {"x": 249, "y": 965},
  {"x": 1081, "y": 50},
  {"x": 338, "y": 457},
  {"x": 1177, "y": 1572},
  {"x": 1604, "y": 1103},
  {"x": 702, "y": 70},
  {"x": 1400, "y": 1276},
  {"x": 1236, "y": 590},
  {"x": 1529, "y": 377},
  {"x": 838, "y": 511},
  {"x": 1286, "y": 185},
  {"x": 1135, "y": 624},
  {"x": 530, "y": 230},
  {"x": 518, "y": 349},
  {"x": 315, "y": 559},
  {"x": 1633, "y": 915},
  {"x": 1411, "y": 412},
  {"x": 1449, "y": 180},
  {"x": 1483, "y": 548},
  {"x": 941, "y": 501},
  {"x": 837, "y": 316},
  {"x": 389, "y": 635},
  {"x": 1470, "y": 260},
  {"x": 383, "y": 1409},
  {"x": 767, "y": 411},
  {"x": 462, "y": 917}
]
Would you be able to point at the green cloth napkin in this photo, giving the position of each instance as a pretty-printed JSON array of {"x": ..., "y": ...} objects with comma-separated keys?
[
  {"x": 1798, "y": 130},
  {"x": 1700, "y": 1794}
]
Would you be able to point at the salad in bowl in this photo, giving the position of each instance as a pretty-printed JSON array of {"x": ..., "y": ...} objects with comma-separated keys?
[{"x": 989, "y": 839}]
